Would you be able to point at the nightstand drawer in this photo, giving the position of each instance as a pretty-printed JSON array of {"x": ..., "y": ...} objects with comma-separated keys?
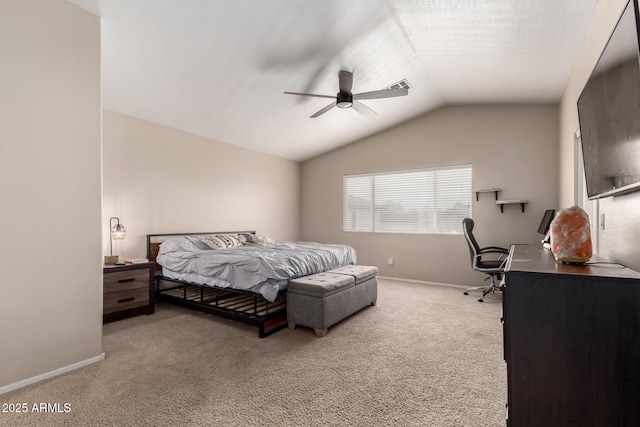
[
  {"x": 127, "y": 291},
  {"x": 118, "y": 281},
  {"x": 124, "y": 300}
]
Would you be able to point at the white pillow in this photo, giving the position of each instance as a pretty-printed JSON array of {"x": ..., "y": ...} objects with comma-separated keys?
[{"x": 182, "y": 243}]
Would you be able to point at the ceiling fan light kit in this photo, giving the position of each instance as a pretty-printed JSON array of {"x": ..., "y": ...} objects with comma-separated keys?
[{"x": 346, "y": 99}]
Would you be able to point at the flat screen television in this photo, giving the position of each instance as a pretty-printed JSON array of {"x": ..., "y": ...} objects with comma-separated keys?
[{"x": 609, "y": 113}]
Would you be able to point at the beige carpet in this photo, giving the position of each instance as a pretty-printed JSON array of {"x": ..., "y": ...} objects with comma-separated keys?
[{"x": 424, "y": 356}]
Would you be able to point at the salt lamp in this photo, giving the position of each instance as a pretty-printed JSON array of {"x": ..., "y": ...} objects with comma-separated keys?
[{"x": 571, "y": 236}]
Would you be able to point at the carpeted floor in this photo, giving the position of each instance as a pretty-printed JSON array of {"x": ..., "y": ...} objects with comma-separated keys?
[{"x": 423, "y": 356}]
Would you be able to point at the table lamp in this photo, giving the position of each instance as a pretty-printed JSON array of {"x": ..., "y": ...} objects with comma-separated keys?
[{"x": 117, "y": 232}]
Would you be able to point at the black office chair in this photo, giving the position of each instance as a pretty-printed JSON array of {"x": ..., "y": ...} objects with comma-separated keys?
[{"x": 490, "y": 260}]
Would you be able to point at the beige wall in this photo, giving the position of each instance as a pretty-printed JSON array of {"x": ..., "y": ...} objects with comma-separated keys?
[
  {"x": 50, "y": 241},
  {"x": 162, "y": 180},
  {"x": 513, "y": 147},
  {"x": 620, "y": 240}
]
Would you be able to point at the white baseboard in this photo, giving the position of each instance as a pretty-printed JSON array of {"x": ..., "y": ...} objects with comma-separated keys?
[
  {"x": 422, "y": 282},
  {"x": 51, "y": 374}
]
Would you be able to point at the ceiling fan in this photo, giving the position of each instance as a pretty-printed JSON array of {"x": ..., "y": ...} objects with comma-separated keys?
[{"x": 346, "y": 99}]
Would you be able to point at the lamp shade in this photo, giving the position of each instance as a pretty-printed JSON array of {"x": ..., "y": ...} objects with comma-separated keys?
[{"x": 117, "y": 231}]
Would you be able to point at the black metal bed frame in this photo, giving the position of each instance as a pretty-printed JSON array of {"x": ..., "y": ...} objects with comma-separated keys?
[{"x": 235, "y": 304}]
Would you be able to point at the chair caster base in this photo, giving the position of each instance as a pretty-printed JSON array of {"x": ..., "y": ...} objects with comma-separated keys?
[
  {"x": 466, "y": 293},
  {"x": 480, "y": 300}
]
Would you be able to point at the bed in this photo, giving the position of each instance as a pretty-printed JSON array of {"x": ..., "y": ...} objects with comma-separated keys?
[{"x": 237, "y": 274}]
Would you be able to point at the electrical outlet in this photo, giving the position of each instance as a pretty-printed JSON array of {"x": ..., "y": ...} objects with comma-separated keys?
[{"x": 390, "y": 261}]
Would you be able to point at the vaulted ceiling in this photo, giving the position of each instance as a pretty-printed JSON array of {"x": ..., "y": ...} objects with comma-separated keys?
[{"x": 218, "y": 68}]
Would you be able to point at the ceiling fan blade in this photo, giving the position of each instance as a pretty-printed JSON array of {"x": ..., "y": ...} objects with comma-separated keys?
[
  {"x": 363, "y": 109},
  {"x": 345, "y": 79},
  {"x": 378, "y": 94},
  {"x": 310, "y": 94},
  {"x": 324, "y": 110}
]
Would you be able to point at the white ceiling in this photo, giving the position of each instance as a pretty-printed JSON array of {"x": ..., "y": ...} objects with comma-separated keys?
[{"x": 218, "y": 68}]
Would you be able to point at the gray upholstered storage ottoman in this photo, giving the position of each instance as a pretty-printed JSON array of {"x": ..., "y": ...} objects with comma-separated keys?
[{"x": 322, "y": 300}]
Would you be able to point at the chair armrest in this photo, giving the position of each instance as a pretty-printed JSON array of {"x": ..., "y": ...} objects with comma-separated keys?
[{"x": 493, "y": 249}]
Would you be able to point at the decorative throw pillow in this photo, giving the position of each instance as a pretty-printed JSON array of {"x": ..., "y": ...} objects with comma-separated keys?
[
  {"x": 231, "y": 240},
  {"x": 256, "y": 239},
  {"x": 222, "y": 241},
  {"x": 214, "y": 242}
]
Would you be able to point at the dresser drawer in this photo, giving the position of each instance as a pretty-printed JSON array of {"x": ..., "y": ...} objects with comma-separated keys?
[
  {"x": 118, "y": 281},
  {"x": 124, "y": 300}
]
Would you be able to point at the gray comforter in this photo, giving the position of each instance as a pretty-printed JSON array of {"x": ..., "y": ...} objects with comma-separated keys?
[{"x": 248, "y": 267}]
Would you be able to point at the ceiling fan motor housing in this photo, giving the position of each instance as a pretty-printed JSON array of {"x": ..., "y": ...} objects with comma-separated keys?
[{"x": 344, "y": 99}]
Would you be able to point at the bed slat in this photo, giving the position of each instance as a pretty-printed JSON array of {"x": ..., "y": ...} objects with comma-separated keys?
[{"x": 243, "y": 306}]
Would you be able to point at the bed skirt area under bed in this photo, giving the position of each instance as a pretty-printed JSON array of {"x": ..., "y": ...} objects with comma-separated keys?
[{"x": 239, "y": 305}]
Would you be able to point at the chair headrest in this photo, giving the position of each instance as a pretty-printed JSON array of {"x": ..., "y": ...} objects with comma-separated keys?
[{"x": 468, "y": 224}]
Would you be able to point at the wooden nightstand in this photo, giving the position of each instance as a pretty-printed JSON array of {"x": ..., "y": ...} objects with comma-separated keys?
[{"x": 128, "y": 290}]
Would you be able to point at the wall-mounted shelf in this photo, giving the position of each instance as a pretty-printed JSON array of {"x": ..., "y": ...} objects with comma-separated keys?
[
  {"x": 486, "y": 190},
  {"x": 511, "y": 202}
]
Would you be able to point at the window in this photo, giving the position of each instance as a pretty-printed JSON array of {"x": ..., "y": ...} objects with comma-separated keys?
[{"x": 429, "y": 201}]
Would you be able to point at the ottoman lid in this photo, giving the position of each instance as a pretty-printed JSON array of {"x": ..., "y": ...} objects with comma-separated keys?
[
  {"x": 320, "y": 285},
  {"x": 359, "y": 272}
]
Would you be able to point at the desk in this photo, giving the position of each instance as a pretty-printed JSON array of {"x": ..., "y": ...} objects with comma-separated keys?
[{"x": 571, "y": 341}]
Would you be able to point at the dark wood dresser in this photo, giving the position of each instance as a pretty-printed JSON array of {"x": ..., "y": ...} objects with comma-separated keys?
[
  {"x": 128, "y": 290},
  {"x": 571, "y": 341}
]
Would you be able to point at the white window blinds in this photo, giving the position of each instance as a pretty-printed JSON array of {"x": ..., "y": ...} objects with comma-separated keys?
[{"x": 432, "y": 201}]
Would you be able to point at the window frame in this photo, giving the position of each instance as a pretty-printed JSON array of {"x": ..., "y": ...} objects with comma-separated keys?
[{"x": 430, "y": 226}]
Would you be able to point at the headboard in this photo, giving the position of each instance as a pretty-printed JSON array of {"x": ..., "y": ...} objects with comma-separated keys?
[{"x": 154, "y": 241}]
